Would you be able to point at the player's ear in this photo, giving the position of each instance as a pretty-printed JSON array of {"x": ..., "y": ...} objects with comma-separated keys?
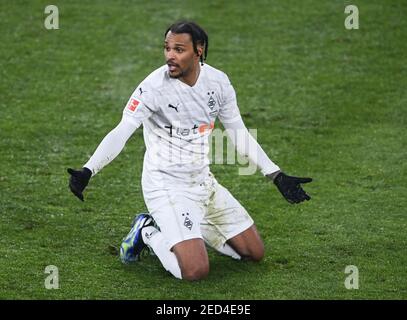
[{"x": 200, "y": 50}]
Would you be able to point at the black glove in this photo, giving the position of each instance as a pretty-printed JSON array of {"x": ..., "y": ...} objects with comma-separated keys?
[
  {"x": 290, "y": 187},
  {"x": 79, "y": 180}
]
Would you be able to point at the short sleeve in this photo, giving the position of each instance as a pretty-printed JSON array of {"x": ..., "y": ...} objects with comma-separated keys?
[
  {"x": 141, "y": 105},
  {"x": 229, "y": 110}
]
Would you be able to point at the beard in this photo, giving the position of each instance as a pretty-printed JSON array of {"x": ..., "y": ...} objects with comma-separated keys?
[
  {"x": 179, "y": 72},
  {"x": 176, "y": 75}
]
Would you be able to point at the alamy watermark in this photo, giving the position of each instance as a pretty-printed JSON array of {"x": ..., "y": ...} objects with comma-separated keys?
[
  {"x": 352, "y": 280},
  {"x": 177, "y": 145},
  {"x": 52, "y": 280},
  {"x": 352, "y": 20},
  {"x": 52, "y": 20}
]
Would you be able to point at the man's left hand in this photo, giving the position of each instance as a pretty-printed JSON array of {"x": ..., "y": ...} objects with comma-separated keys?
[{"x": 290, "y": 187}]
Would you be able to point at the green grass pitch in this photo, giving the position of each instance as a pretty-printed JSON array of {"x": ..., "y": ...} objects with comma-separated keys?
[{"x": 327, "y": 102}]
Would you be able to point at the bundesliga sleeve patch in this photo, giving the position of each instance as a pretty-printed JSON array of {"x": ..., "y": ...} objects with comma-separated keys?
[{"x": 132, "y": 104}]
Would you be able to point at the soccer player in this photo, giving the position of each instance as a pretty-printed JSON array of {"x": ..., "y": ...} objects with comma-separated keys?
[{"x": 178, "y": 104}]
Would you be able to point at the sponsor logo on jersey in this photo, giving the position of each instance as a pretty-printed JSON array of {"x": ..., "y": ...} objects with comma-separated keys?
[
  {"x": 185, "y": 132},
  {"x": 205, "y": 127},
  {"x": 133, "y": 103}
]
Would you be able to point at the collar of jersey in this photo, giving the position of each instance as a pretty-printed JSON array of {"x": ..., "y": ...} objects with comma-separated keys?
[{"x": 197, "y": 80}]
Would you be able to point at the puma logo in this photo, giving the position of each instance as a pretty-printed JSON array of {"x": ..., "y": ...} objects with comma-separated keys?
[{"x": 171, "y": 106}]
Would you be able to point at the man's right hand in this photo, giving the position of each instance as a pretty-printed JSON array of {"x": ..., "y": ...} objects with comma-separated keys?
[{"x": 79, "y": 180}]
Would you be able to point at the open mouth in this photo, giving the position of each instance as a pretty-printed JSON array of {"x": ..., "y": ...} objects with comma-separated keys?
[{"x": 172, "y": 67}]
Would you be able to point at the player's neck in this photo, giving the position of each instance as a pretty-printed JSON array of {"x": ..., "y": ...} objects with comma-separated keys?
[{"x": 192, "y": 77}]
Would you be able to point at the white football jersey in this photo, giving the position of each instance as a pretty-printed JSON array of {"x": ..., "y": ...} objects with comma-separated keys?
[{"x": 177, "y": 121}]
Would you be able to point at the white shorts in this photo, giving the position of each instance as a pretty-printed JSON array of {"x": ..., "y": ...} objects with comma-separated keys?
[{"x": 207, "y": 211}]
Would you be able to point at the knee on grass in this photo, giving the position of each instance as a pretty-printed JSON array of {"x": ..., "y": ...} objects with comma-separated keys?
[
  {"x": 196, "y": 272},
  {"x": 255, "y": 255}
]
